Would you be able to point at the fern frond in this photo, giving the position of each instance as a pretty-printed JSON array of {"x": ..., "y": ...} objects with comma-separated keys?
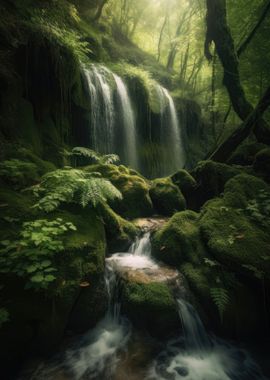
[
  {"x": 73, "y": 185},
  {"x": 109, "y": 159},
  {"x": 221, "y": 299},
  {"x": 85, "y": 152}
]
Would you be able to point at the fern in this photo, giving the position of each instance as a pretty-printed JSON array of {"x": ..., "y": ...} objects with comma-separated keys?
[
  {"x": 73, "y": 186},
  {"x": 82, "y": 152},
  {"x": 85, "y": 152},
  {"x": 221, "y": 299},
  {"x": 109, "y": 159}
]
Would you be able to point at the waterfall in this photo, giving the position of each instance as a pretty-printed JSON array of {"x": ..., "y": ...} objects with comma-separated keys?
[
  {"x": 194, "y": 355},
  {"x": 104, "y": 131},
  {"x": 102, "y": 108},
  {"x": 197, "y": 356},
  {"x": 113, "y": 126},
  {"x": 195, "y": 335},
  {"x": 170, "y": 132},
  {"x": 141, "y": 246},
  {"x": 129, "y": 125}
]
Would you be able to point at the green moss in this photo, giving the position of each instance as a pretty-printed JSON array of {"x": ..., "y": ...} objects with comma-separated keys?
[
  {"x": 155, "y": 297},
  {"x": 198, "y": 279},
  {"x": 151, "y": 306},
  {"x": 119, "y": 232},
  {"x": 15, "y": 151},
  {"x": 145, "y": 81},
  {"x": 179, "y": 240},
  {"x": 245, "y": 153},
  {"x": 211, "y": 178},
  {"x": 88, "y": 241},
  {"x": 166, "y": 197},
  {"x": 232, "y": 236},
  {"x": 136, "y": 201},
  {"x": 18, "y": 173},
  {"x": 15, "y": 207},
  {"x": 184, "y": 181},
  {"x": 262, "y": 164},
  {"x": 243, "y": 188}
]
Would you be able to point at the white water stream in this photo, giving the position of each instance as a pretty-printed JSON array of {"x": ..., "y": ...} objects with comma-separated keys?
[
  {"x": 192, "y": 356},
  {"x": 113, "y": 126}
]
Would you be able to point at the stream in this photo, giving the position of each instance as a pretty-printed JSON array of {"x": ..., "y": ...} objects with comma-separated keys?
[{"x": 114, "y": 350}]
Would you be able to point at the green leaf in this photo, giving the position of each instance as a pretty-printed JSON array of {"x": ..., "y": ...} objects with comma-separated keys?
[
  {"x": 49, "y": 278},
  {"x": 45, "y": 263},
  {"x": 37, "y": 278},
  {"x": 31, "y": 268}
]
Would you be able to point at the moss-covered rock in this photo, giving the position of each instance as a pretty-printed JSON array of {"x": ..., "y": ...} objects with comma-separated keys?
[
  {"x": 178, "y": 240},
  {"x": 136, "y": 201},
  {"x": 77, "y": 298},
  {"x": 119, "y": 232},
  {"x": 223, "y": 250},
  {"x": 151, "y": 306},
  {"x": 232, "y": 233},
  {"x": 184, "y": 181},
  {"x": 187, "y": 184},
  {"x": 245, "y": 153},
  {"x": 211, "y": 178},
  {"x": 262, "y": 164},
  {"x": 166, "y": 197}
]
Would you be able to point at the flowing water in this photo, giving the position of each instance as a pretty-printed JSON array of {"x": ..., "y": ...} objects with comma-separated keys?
[
  {"x": 102, "y": 108},
  {"x": 170, "y": 132},
  {"x": 129, "y": 124},
  {"x": 113, "y": 126},
  {"x": 192, "y": 356}
]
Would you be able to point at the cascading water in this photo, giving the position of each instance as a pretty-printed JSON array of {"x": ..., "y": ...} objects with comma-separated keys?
[
  {"x": 97, "y": 354},
  {"x": 113, "y": 126},
  {"x": 196, "y": 356},
  {"x": 193, "y": 356},
  {"x": 170, "y": 132},
  {"x": 105, "y": 115},
  {"x": 102, "y": 109},
  {"x": 129, "y": 124}
]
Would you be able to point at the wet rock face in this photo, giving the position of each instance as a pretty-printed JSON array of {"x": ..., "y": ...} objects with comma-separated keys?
[
  {"x": 150, "y": 224},
  {"x": 147, "y": 291}
]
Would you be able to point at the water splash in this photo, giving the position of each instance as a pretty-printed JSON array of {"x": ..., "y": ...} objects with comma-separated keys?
[
  {"x": 193, "y": 356},
  {"x": 196, "y": 356}
]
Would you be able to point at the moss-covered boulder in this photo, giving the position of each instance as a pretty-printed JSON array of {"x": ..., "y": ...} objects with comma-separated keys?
[
  {"x": 187, "y": 184},
  {"x": 77, "y": 299},
  {"x": 151, "y": 306},
  {"x": 262, "y": 164},
  {"x": 136, "y": 201},
  {"x": 166, "y": 197},
  {"x": 119, "y": 232},
  {"x": 178, "y": 240},
  {"x": 223, "y": 252},
  {"x": 211, "y": 178},
  {"x": 245, "y": 153},
  {"x": 236, "y": 228},
  {"x": 21, "y": 167},
  {"x": 184, "y": 180}
]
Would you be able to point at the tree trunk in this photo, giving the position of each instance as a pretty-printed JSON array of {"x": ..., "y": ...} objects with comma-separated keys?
[
  {"x": 219, "y": 32},
  {"x": 224, "y": 151},
  {"x": 160, "y": 36},
  {"x": 99, "y": 10}
]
